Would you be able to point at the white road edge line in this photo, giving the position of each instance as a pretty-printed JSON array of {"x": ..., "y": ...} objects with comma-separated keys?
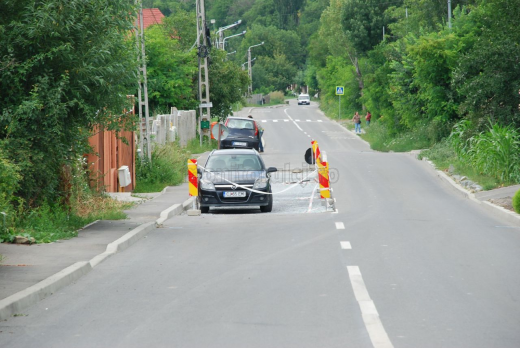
[
  {"x": 345, "y": 245},
  {"x": 373, "y": 323},
  {"x": 340, "y": 226},
  {"x": 285, "y": 110}
]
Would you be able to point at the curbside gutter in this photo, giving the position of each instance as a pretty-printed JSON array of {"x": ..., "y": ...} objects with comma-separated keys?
[
  {"x": 15, "y": 303},
  {"x": 511, "y": 217}
]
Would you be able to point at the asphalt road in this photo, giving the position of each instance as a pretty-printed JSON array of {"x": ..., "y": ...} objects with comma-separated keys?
[{"x": 404, "y": 262}]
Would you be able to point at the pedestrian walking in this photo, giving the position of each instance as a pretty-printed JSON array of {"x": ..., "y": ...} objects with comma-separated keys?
[
  {"x": 357, "y": 122},
  {"x": 260, "y": 133},
  {"x": 368, "y": 117}
]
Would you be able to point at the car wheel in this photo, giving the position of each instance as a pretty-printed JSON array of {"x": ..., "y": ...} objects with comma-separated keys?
[
  {"x": 204, "y": 210},
  {"x": 267, "y": 208}
]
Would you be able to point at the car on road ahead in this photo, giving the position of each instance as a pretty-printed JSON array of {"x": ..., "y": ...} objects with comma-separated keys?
[
  {"x": 225, "y": 170},
  {"x": 243, "y": 134},
  {"x": 304, "y": 99}
]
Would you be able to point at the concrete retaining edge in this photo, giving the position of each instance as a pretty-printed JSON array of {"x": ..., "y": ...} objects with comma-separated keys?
[
  {"x": 511, "y": 217},
  {"x": 15, "y": 303}
]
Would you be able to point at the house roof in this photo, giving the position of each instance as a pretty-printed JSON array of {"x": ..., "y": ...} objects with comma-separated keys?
[{"x": 152, "y": 16}]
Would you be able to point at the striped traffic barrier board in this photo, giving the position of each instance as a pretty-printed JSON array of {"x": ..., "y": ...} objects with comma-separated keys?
[{"x": 192, "y": 177}]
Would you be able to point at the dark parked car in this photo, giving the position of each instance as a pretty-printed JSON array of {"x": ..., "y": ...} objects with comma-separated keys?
[
  {"x": 224, "y": 169},
  {"x": 243, "y": 134}
]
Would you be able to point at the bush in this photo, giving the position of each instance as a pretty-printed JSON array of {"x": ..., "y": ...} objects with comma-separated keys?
[
  {"x": 169, "y": 167},
  {"x": 516, "y": 201},
  {"x": 277, "y": 97}
]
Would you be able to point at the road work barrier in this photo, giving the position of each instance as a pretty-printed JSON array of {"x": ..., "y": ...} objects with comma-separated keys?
[
  {"x": 323, "y": 170},
  {"x": 192, "y": 177}
]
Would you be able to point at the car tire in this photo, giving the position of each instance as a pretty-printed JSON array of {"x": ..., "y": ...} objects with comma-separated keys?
[
  {"x": 204, "y": 210},
  {"x": 269, "y": 207}
]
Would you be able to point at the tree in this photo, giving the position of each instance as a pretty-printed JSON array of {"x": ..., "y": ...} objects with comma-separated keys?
[
  {"x": 363, "y": 23},
  {"x": 171, "y": 71},
  {"x": 65, "y": 67},
  {"x": 228, "y": 83},
  {"x": 488, "y": 75},
  {"x": 279, "y": 72}
]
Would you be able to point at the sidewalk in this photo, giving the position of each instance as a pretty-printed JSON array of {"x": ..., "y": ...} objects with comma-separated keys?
[{"x": 30, "y": 273}]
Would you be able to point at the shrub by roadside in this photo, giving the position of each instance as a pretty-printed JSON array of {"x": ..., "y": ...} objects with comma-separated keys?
[
  {"x": 516, "y": 202},
  {"x": 53, "y": 221},
  {"x": 168, "y": 166}
]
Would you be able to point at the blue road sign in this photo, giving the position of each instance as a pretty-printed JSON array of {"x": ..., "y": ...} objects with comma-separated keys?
[{"x": 340, "y": 90}]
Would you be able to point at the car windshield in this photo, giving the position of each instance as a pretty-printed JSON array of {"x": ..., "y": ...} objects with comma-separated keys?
[
  {"x": 220, "y": 163},
  {"x": 304, "y": 97},
  {"x": 240, "y": 124}
]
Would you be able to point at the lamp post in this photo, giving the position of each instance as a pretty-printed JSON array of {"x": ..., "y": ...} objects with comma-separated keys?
[
  {"x": 249, "y": 71},
  {"x": 243, "y": 64},
  {"x": 220, "y": 34},
  {"x": 231, "y": 53},
  {"x": 229, "y": 37}
]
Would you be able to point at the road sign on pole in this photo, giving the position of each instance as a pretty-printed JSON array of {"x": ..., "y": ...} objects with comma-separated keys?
[{"x": 340, "y": 90}]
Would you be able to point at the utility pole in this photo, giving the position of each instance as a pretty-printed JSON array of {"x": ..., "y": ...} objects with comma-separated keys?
[
  {"x": 449, "y": 14},
  {"x": 144, "y": 139},
  {"x": 203, "y": 53}
]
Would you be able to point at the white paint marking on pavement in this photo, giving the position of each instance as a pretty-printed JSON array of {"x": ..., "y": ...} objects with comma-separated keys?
[
  {"x": 286, "y": 120},
  {"x": 345, "y": 245},
  {"x": 275, "y": 120},
  {"x": 297, "y": 120},
  {"x": 373, "y": 323},
  {"x": 340, "y": 226},
  {"x": 308, "y": 120},
  {"x": 320, "y": 120},
  {"x": 304, "y": 132},
  {"x": 285, "y": 110},
  {"x": 264, "y": 121}
]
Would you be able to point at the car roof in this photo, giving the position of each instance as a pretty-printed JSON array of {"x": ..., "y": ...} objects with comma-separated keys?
[
  {"x": 234, "y": 152},
  {"x": 239, "y": 118}
]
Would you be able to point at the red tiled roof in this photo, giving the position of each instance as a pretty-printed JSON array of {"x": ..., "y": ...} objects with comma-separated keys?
[{"x": 152, "y": 16}]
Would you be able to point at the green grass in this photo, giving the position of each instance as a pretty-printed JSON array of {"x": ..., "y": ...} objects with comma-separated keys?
[
  {"x": 208, "y": 144},
  {"x": 49, "y": 223},
  {"x": 169, "y": 165},
  {"x": 381, "y": 140},
  {"x": 443, "y": 155}
]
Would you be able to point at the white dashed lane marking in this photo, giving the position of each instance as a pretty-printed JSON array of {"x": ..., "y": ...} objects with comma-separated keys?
[
  {"x": 373, "y": 323},
  {"x": 345, "y": 245},
  {"x": 340, "y": 226}
]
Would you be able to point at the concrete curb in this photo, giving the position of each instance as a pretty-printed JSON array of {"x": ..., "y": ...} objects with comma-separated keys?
[
  {"x": 15, "y": 303},
  {"x": 511, "y": 217}
]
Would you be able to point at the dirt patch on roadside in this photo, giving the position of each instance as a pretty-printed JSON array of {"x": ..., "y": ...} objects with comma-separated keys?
[{"x": 506, "y": 202}]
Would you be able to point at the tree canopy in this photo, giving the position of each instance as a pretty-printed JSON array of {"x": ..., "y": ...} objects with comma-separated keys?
[{"x": 65, "y": 66}]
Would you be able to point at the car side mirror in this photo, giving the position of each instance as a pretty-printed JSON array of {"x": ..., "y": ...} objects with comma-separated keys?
[
  {"x": 199, "y": 171},
  {"x": 271, "y": 170}
]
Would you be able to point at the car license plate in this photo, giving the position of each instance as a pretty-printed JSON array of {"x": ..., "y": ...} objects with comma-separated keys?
[
  {"x": 239, "y": 143},
  {"x": 230, "y": 194}
]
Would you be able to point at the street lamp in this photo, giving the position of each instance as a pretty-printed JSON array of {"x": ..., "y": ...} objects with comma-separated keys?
[
  {"x": 231, "y": 53},
  {"x": 243, "y": 67},
  {"x": 229, "y": 37},
  {"x": 249, "y": 71},
  {"x": 220, "y": 34}
]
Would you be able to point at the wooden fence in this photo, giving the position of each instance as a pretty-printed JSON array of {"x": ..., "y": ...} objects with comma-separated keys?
[{"x": 110, "y": 153}]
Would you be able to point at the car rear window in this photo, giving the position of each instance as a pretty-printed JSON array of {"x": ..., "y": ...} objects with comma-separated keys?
[
  {"x": 219, "y": 163},
  {"x": 240, "y": 124}
]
